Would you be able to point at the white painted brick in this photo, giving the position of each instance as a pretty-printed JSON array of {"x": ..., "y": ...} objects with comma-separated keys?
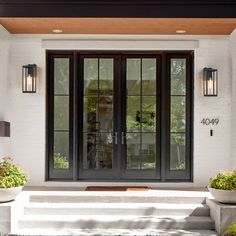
[{"x": 26, "y": 112}]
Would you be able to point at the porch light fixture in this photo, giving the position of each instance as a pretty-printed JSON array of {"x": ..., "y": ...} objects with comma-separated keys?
[
  {"x": 29, "y": 73},
  {"x": 210, "y": 82}
]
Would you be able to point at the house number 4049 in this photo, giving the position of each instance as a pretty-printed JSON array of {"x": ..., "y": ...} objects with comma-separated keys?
[{"x": 207, "y": 121}]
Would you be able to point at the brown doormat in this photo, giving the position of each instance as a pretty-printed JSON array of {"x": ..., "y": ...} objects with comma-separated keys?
[{"x": 117, "y": 188}]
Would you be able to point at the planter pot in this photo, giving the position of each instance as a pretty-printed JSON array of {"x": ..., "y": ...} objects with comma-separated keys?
[
  {"x": 223, "y": 196},
  {"x": 9, "y": 194}
]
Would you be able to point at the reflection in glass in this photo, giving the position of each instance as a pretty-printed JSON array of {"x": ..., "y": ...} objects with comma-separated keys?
[
  {"x": 105, "y": 114},
  {"x": 133, "y": 76},
  {"x": 177, "y": 155},
  {"x": 141, "y": 113},
  {"x": 133, "y": 114},
  {"x": 148, "y": 151},
  {"x": 61, "y": 76},
  {"x": 61, "y": 150},
  {"x": 98, "y": 150},
  {"x": 133, "y": 141},
  {"x": 178, "y": 76},
  {"x": 98, "y": 113},
  {"x": 61, "y": 112},
  {"x": 90, "y": 114},
  {"x": 149, "y": 76},
  {"x": 90, "y": 76},
  {"x": 178, "y": 113},
  {"x": 149, "y": 114},
  {"x": 106, "y": 71}
]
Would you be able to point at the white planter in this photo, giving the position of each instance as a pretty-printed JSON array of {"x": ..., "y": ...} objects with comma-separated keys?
[
  {"x": 9, "y": 194},
  {"x": 224, "y": 196}
]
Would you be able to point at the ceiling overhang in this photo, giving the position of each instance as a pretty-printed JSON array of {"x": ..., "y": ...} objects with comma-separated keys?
[
  {"x": 135, "y": 26},
  {"x": 119, "y": 8}
]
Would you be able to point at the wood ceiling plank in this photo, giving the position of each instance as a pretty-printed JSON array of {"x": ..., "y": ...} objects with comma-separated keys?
[{"x": 118, "y": 25}]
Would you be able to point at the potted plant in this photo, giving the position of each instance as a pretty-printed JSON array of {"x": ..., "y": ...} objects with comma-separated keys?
[
  {"x": 223, "y": 187},
  {"x": 231, "y": 230},
  {"x": 12, "y": 179}
]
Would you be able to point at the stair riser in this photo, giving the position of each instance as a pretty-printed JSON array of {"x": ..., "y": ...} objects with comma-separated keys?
[
  {"x": 122, "y": 224},
  {"x": 200, "y": 211},
  {"x": 114, "y": 199}
]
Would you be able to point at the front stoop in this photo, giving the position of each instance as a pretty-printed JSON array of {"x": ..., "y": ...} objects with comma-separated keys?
[{"x": 156, "y": 212}]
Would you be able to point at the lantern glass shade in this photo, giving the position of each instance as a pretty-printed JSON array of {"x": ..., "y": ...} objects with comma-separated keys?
[
  {"x": 210, "y": 82},
  {"x": 29, "y": 74}
]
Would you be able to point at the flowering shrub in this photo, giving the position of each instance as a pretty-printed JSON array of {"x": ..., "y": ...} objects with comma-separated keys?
[
  {"x": 224, "y": 181},
  {"x": 11, "y": 175}
]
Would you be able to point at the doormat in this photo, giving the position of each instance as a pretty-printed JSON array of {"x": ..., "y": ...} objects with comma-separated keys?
[{"x": 117, "y": 188}]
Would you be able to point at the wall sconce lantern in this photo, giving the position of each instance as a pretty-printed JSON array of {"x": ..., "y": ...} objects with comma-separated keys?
[
  {"x": 29, "y": 74},
  {"x": 210, "y": 82}
]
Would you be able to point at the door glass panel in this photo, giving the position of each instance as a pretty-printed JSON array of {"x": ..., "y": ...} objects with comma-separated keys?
[
  {"x": 178, "y": 76},
  {"x": 133, "y": 114},
  {"x": 106, "y": 76},
  {"x": 61, "y": 150},
  {"x": 178, "y": 114},
  {"x": 90, "y": 76},
  {"x": 177, "y": 152},
  {"x": 148, "y": 150},
  {"x": 133, "y": 76},
  {"x": 105, "y": 110},
  {"x": 141, "y": 113},
  {"x": 149, "y": 114},
  {"x": 90, "y": 113},
  {"x": 61, "y": 113},
  {"x": 98, "y": 150},
  {"x": 98, "y": 114},
  {"x": 61, "y": 76},
  {"x": 133, "y": 141},
  {"x": 149, "y": 76}
]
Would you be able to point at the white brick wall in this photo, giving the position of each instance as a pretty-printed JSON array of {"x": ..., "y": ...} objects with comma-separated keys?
[
  {"x": 26, "y": 112},
  {"x": 212, "y": 154}
]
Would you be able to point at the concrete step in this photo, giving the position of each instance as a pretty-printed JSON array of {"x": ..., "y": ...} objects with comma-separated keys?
[
  {"x": 113, "y": 232},
  {"x": 145, "y": 209},
  {"x": 119, "y": 197},
  {"x": 57, "y": 222}
]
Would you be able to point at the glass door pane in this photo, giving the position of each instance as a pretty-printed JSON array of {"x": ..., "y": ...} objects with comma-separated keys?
[
  {"x": 60, "y": 114},
  {"x": 141, "y": 130},
  {"x": 99, "y": 137},
  {"x": 178, "y": 157}
]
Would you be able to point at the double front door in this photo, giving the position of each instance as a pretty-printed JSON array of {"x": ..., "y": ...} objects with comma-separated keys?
[{"x": 119, "y": 115}]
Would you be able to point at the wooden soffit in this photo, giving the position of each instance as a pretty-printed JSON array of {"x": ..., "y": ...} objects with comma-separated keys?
[
  {"x": 119, "y": 8},
  {"x": 119, "y": 25}
]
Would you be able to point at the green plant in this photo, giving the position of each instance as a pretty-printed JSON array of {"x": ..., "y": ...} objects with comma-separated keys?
[
  {"x": 180, "y": 166},
  {"x": 60, "y": 162},
  {"x": 231, "y": 230},
  {"x": 11, "y": 175},
  {"x": 224, "y": 180}
]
